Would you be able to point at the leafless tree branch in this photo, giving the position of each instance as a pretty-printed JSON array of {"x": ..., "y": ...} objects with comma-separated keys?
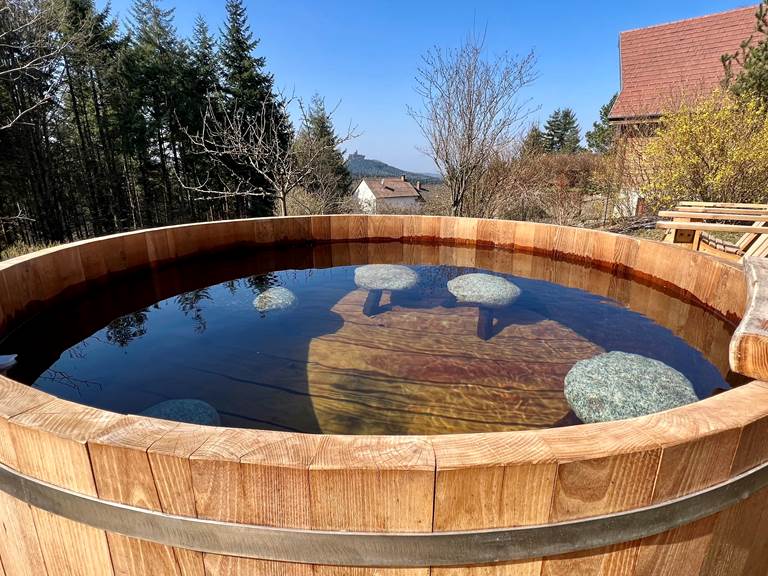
[
  {"x": 242, "y": 145},
  {"x": 470, "y": 110},
  {"x": 32, "y": 46}
]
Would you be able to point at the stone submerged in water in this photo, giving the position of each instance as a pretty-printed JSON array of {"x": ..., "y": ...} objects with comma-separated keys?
[
  {"x": 277, "y": 298},
  {"x": 187, "y": 410},
  {"x": 484, "y": 289},
  {"x": 7, "y": 361},
  {"x": 385, "y": 277},
  {"x": 619, "y": 385}
]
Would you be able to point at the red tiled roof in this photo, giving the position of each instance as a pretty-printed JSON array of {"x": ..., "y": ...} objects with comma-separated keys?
[
  {"x": 391, "y": 188},
  {"x": 664, "y": 65}
]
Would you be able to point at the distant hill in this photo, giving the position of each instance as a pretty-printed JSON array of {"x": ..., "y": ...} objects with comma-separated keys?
[{"x": 359, "y": 167}]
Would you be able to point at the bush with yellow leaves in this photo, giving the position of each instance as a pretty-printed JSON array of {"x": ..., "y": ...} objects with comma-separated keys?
[{"x": 713, "y": 151}]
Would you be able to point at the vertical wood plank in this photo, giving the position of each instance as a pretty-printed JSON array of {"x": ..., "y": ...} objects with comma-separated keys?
[
  {"x": 273, "y": 474},
  {"x": 602, "y": 468},
  {"x": 19, "y": 544},
  {"x": 123, "y": 474},
  {"x": 738, "y": 544},
  {"x": 492, "y": 481},
  {"x": 698, "y": 446},
  {"x": 372, "y": 483},
  {"x": 50, "y": 444},
  {"x": 169, "y": 462}
]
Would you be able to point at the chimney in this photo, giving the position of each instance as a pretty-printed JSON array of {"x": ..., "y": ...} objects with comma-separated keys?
[
  {"x": 382, "y": 181},
  {"x": 418, "y": 185},
  {"x": 402, "y": 178}
]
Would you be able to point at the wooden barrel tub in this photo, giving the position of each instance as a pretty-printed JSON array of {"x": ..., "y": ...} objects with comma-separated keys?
[{"x": 85, "y": 491}]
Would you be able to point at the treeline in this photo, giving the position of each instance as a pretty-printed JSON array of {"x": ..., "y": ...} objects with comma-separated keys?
[{"x": 98, "y": 120}]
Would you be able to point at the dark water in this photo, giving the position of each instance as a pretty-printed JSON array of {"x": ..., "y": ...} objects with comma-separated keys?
[{"x": 415, "y": 365}]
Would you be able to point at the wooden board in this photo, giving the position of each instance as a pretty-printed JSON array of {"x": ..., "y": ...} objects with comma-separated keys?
[
  {"x": 517, "y": 375},
  {"x": 748, "y": 217},
  {"x": 50, "y": 444},
  {"x": 373, "y": 484},
  {"x": 123, "y": 473}
]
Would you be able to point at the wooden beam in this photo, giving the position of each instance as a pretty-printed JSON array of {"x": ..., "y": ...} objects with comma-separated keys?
[
  {"x": 751, "y": 217},
  {"x": 714, "y": 210},
  {"x": 706, "y": 227},
  {"x": 725, "y": 205}
]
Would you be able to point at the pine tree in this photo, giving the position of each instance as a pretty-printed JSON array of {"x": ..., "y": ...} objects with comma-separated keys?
[
  {"x": 752, "y": 57},
  {"x": 600, "y": 138},
  {"x": 534, "y": 142},
  {"x": 561, "y": 132},
  {"x": 244, "y": 77},
  {"x": 204, "y": 63},
  {"x": 250, "y": 89},
  {"x": 330, "y": 178}
]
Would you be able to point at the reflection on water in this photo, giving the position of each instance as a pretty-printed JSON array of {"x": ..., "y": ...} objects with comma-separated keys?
[{"x": 415, "y": 366}]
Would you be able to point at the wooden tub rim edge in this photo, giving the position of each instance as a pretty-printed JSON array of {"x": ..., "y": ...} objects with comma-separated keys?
[{"x": 622, "y": 442}]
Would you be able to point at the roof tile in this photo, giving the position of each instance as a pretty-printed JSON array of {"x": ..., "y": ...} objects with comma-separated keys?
[
  {"x": 664, "y": 65},
  {"x": 391, "y": 188}
]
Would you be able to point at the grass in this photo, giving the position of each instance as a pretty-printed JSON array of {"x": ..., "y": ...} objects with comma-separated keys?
[{"x": 21, "y": 248}]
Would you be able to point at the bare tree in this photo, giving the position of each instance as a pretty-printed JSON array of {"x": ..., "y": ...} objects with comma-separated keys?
[
  {"x": 470, "y": 110},
  {"x": 241, "y": 145},
  {"x": 32, "y": 45}
]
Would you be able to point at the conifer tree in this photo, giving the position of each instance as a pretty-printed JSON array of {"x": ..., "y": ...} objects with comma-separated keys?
[
  {"x": 752, "y": 58},
  {"x": 244, "y": 77},
  {"x": 534, "y": 141},
  {"x": 250, "y": 91},
  {"x": 329, "y": 177},
  {"x": 561, "y": 132},
  {"x": 205, "y": 65},
  {"x": 600, "y": 138}
]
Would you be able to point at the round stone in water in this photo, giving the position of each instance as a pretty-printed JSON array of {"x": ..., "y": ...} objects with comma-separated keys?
[
  {"x": 385, "y": 277},
  {"x": 277, "y": 298},
  {"x": 7, "y": 361},
  {"x": 484, "y": 289},
  {"x": 619, "y": 385},
  {"x": 188, "y": 410}
]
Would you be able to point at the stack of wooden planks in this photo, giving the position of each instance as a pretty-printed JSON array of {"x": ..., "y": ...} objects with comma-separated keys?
[{"x": 691, "y": 224}]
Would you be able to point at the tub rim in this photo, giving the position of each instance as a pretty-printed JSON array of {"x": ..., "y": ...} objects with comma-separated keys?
[{"x": 732, "y": 411}]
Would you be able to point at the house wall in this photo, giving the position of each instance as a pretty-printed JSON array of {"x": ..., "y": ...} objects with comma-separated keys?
[
  {"x": 369, "y": 204},
  {"x": 632, "y": 166},
  {"x": 365, "y": 198},
  {"x": 400, "y": 204}
]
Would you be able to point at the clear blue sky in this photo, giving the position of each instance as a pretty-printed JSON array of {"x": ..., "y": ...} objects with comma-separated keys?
[{"x": 364, "y": 54}]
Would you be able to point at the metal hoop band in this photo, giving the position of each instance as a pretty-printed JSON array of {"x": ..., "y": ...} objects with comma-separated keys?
[{"x": 381, "y": 549}]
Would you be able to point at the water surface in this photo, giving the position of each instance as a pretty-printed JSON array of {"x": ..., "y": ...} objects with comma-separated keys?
[{"x": 413, "y": 365}]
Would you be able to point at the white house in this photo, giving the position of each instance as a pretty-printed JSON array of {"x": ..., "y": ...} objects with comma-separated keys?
[{"x": 396, "y": 194}]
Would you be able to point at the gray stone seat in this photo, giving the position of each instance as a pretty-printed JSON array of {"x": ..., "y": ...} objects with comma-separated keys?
[
  {"x": 385, "y": 277},
  {"x": 188, "y": 410},
  {"x": 378, "y": 277},
  {"x": 277, "y": 298},
  {"x": 619, "y": 385},
  {"x": 484, "y": 290}
]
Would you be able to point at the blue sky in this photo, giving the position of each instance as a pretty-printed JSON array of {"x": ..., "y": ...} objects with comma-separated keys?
[{"x": 363, "y": 55}]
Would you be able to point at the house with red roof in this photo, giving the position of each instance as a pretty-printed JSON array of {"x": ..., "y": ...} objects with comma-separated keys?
[
  {"x": 663, "y": 67},
  {"x": 667, "y": 65},
  {"x": 396, "y": 194}
]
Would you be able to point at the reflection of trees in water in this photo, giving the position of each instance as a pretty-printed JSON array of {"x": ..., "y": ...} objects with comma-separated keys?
[
  {"x": 260, "y": 282},
  {"x": 122, "y": 331},
  {"x": 60, "y": 377},
  {"x": 78, "y": 350},
  {"x": 189, "y": 303}
]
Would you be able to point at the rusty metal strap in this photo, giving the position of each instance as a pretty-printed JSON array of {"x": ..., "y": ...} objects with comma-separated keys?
[{"x": 380, "y": 549}]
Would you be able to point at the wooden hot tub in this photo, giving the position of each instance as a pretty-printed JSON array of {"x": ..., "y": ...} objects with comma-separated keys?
[{"x": 680, "y": 492}]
